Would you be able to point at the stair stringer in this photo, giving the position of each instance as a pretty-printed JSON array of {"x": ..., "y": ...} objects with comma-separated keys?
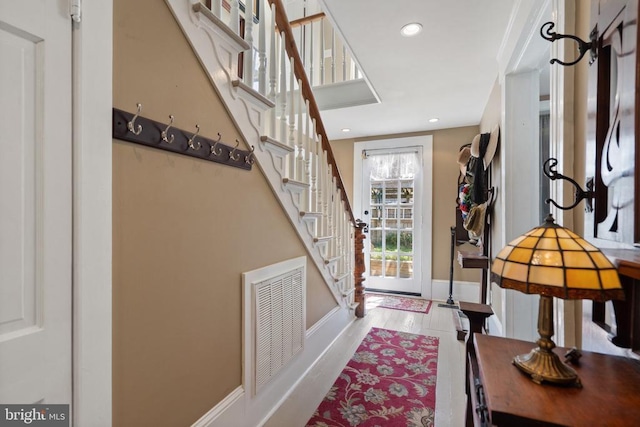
[{"x": 217, "y": 49}]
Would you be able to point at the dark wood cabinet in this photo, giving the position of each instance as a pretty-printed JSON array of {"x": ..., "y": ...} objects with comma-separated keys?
[{"x": 503, "y": 396}]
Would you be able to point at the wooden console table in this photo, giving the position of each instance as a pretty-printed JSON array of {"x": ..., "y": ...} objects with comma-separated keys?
[{"x": 610, "y": 394}]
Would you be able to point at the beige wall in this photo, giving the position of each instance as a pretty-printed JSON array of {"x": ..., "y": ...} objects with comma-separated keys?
[
  {"x": 446, "y": 144},
  {"x": 184, "y": 230}
]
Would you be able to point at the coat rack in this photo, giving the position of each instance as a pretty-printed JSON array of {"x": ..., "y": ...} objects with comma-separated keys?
[{"x": 140, "y": 130}]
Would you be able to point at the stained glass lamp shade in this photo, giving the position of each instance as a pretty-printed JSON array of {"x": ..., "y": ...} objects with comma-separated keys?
[{"x": 552, "y": 261}]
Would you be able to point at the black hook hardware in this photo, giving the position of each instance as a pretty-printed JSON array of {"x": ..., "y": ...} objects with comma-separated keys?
[
  {"x": 583, "y": 47},
  {"x": 550, "y": 171}
]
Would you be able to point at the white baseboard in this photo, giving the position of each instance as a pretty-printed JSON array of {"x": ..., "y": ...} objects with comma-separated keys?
[
  {"x": 211, "y": 416},
  {"x": 240, "y": 410},
  {"x": 462, "y": 291}
]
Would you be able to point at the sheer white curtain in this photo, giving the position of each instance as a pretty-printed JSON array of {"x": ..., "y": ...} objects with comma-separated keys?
[{"x": 393, "y": 166}]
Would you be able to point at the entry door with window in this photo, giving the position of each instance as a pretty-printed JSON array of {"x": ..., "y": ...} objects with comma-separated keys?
[{"x": 392, "y": 191}]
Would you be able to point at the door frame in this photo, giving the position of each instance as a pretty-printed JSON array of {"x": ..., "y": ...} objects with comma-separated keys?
[
  {"x": 426, "y": 142},
  {"x": 518, "y": 62},
  {"x": 92, "y": 147}
]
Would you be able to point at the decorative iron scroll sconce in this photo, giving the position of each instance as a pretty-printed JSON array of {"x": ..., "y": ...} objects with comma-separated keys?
[
  {"x": 583, "y": 47},
  {"x": 140, "y": 130},
  {"x": 550, "y": 171}
]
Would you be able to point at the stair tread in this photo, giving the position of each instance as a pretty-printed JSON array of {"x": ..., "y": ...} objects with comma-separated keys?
[
  {"x": 240, "y": 44},
  {"x": 254, "y": 93},
  {"x": 288, "y": 181},
  {"x": 276, "y": 143},
  {"x": 330, "y": 260}
]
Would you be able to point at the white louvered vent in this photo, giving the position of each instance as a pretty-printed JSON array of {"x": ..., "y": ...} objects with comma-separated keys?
[{"x": 279, "y": 328}]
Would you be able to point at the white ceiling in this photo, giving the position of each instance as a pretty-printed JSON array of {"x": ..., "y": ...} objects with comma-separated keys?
[{"x": 447, "y": 71}]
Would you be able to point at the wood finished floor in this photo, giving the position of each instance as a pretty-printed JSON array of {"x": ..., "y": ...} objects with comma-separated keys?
[{"x": 450, "y": 397}]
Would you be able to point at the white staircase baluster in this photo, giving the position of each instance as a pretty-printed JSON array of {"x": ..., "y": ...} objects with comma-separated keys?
[
  {"x": 273, "y": 72},
  {"x": 322, "y": 49},
  {"x": 282, "y": 95},
  {"x": 344, "y": 64},
  {"x": 292, "y": 123},
  {"x": 262, "y": 49},
  {"x": 247, "y": 62},
  {"x": 234, "y": 23},
  {"x": 301, "y": 151},
  {"x": 325, "y": 197},
  {"x": 309, "y": 158},
  {"x": 311, "y": 54},
  {"x": 216, "y": 7},
  {"x": 333, "y": 55}
]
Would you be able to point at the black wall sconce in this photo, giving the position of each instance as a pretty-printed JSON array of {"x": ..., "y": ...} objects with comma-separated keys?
[
  {"x": 583, "y": 47},
  {"x": 550, "y": 171}
]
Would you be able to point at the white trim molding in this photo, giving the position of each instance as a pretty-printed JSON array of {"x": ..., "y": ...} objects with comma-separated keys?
[{"x": 92, "y": 237}]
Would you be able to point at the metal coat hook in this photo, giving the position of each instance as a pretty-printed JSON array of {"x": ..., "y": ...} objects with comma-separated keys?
[
  {"x": 583, "y": 47},
  {"x": 193, "y": 138},
  {"x": 550, "y": 171},
  {"x": 213, "y": 147},
  {"x": 232, "y": 154},
  {"x": 131, "y": 124},
  {"x": 164, "y": 134},
  {"x": 249, "y": 158}
]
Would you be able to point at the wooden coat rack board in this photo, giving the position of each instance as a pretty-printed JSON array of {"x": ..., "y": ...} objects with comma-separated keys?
[{"x": 140, "y": 130}]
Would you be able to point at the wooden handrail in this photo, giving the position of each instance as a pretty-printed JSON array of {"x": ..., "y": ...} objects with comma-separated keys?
[
  {"x": 306, "y": 19},
  {"x": 292, "y": 50}
]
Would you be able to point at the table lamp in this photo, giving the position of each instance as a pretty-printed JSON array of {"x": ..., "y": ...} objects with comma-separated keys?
[{"x": 552, "y": 261}]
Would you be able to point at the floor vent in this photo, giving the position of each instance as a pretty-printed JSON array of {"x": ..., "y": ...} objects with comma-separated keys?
[{"x": 276, "y": 305}]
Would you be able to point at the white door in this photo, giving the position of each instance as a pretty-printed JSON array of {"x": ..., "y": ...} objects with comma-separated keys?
[
  {"x": 391, "y": 203},
  {"x": 35, "y": 202}
]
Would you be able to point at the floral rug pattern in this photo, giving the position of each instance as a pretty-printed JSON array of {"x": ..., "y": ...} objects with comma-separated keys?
[
  {"x": 398, "y": 303},
  {"x": 390, "y": 381}
]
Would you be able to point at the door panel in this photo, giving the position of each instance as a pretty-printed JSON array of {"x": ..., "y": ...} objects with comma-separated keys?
[
  {"x": 391, "y": 193},
  {"x": 35, "y": 202}
]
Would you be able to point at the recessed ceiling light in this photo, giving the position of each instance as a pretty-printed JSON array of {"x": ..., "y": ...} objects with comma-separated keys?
[
  {"x": 411, "y": 29},
  {"x": 435, "y": 119},
  {"x": 346, "y": 130}
]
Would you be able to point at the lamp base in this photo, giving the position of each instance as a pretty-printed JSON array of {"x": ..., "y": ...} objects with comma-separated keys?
[{"x": 543, "y": 365}]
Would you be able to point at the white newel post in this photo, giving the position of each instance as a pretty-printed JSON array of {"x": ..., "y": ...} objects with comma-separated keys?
[{"x": 262, "y": 48}]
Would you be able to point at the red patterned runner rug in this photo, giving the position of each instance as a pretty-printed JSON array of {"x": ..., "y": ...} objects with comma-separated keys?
[
  {"x": 390, "y": 381},
  {"x": 397, "y": 302}
]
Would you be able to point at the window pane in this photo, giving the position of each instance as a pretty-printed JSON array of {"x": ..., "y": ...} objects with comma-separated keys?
[
  {"x": 391, "y": 193},
  {"x": 391, "y": 241},
  {"x": 376, "y": 192},
  {"x": 406, "y": 191},
  {"x": 391, "y": 223},
  {"x": 406, "y": 267},
  {"x": 376, "y": 241},
  {"x": 406, "y": 241}
]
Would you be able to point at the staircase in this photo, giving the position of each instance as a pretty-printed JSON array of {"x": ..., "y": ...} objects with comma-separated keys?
[{"x": 274, "y": 108}]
